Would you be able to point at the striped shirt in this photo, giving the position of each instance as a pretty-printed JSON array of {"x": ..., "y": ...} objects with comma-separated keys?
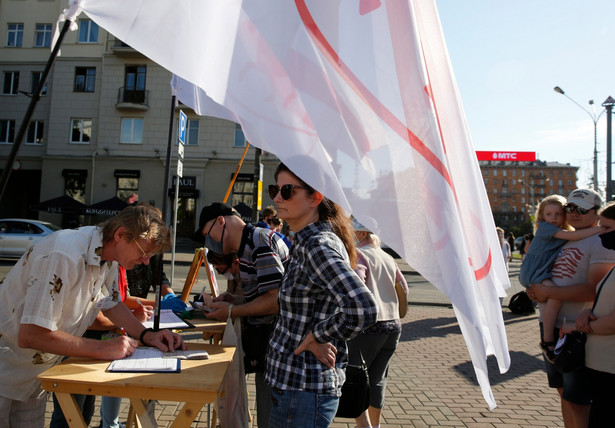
[
  {"x": 319, "y": 293},
  {"x": 262, "y": 256}
]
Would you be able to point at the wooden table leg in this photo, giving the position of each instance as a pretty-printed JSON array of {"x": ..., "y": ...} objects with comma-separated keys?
[
  {"x": 71, "y": 411},
  {"x": 139, "y": 411},
  {"x": 186, "y": 415}
]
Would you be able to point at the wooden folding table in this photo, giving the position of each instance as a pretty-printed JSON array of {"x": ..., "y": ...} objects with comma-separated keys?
[{"x": 197, "y": 384}]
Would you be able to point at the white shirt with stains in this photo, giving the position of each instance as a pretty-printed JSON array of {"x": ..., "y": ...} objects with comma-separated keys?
[{"x": 60, "y": 284}]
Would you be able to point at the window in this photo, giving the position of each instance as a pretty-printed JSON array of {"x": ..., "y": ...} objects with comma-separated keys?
[
  {"x": 35, "y": 132},
  {"x": 495, "y": 181},
  {"x": 192, "y": 134},
  {"x": 88, "y": 31},
  {"x": 36, "y": 78},
  {"x": 503, "y": 173},
  {"x": 240, "y": 139},
  {"x": 85, "y": 77},
  {"x": 514, "y": 181},
  {"x": 135, "y": 77},
  {"x": 486, "y": 181},
  {"x": 243, "y": 190},
  {"x": 74, "y": 184},
  {"x": 81, "y": 131},
  {"x": 495, "y": 190},
  {"x": 495, "y": 172},
  {"x": 134, "y": 83},
  {"x": 7, "y": 131},
  {"x": 42, "y": 36},
  {"x": 127, "y": 186},
  {"x": 132, "y": 131},
  {"x": 14, "y": 36},
  {"x": 11, "y": 83}
]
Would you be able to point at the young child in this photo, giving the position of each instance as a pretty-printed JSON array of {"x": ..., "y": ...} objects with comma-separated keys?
[{"x": 551, "y": 231}]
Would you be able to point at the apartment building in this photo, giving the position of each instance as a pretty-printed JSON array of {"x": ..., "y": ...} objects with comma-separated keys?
[
  {"x": 101, "y": 127},
  {"x": 515, "y": 188}
]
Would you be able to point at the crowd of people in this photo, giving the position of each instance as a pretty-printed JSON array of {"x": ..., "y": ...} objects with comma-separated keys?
[
  {"x": 566, "y": 266},
  {"x": 315, "y": 293}
]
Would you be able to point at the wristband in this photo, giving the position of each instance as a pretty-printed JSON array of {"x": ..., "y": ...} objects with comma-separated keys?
[
  {"x": 142, "y": 335},
  {"x": 230, "y": 309}
]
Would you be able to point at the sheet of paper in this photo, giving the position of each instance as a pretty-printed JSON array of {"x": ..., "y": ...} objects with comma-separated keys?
[
  {"x": 168, "y": 319},
  {"x": 186, "y": 355},
  {"x": 145, "y": 360}
]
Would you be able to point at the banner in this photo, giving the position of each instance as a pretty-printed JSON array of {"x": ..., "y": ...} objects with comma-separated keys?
[{"x": 358, "y": 99}]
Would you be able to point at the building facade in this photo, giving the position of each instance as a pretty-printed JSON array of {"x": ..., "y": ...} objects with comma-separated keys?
[
  {"x": 515, "y": 188},
  {"x": 101, "y": 127}
]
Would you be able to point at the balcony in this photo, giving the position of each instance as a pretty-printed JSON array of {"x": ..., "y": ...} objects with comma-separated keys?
[
  {"x": 119, "y": 48},
  {"x": 131, "y": 99}
]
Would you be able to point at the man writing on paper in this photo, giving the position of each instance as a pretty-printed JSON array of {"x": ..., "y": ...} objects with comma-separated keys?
[
  {"x": 54, "y": 293},
  {"x": 261, "y": 255}
]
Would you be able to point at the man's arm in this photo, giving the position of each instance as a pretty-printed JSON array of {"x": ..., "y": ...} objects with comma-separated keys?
[
  {"x": 265, "y": 304},
  {"x": 584, "y": 292},
  {"x": 164, "y": 340},
  {"x": 62, "y": 343}
]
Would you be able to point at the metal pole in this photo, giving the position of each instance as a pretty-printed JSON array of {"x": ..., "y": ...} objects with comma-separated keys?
[
  {"x": 608, "y": 105},
  {"x": 596, "y": 155},
  {"x": 257, "y": 173},
  {"x": 6, "y": 173},
  {"x": 167, "y": 172}
]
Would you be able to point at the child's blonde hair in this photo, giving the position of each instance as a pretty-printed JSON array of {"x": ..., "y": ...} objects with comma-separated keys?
[{"x": 550, "y": 200}]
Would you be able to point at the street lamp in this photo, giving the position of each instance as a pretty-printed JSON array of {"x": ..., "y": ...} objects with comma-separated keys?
[
  {"x": 594, "y": 117},
  {"x": 532, "y": 205}
]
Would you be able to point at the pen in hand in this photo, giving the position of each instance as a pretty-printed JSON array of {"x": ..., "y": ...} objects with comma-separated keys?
[
  {"x": 139, "y": 302},
  {"x": 123, "y": 330}
]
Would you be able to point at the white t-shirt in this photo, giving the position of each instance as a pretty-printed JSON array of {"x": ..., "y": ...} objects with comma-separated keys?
[
  {"x": 571, "y": 267},
  {"x": 60, "y": 284},
  {"x": 600, "y": 348}
]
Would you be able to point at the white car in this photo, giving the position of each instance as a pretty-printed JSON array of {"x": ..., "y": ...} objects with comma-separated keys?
[{"x": 18, "y": 235}]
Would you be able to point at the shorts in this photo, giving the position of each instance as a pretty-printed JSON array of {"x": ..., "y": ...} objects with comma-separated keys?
[{"x": 575, "y": 385}]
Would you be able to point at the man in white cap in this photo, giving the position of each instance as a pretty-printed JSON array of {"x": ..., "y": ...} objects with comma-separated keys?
[{"x": 577, "y": 269}]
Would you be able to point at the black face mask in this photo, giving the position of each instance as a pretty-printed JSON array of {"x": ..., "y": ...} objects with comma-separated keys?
[{"x": 608, "y": 240}]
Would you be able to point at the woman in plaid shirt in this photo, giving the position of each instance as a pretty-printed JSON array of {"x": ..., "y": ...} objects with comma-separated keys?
[{"x": 322, "y": 304}]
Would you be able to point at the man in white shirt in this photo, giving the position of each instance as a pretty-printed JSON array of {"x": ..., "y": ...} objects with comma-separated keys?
[
  {"x": 576, "y": 271},
  {"x": 54, "y": 293}
]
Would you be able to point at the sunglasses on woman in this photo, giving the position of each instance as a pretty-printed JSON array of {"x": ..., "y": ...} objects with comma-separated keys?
[
  {"x": 571, "y": 208},
  {"x": 286, "y": 190}
]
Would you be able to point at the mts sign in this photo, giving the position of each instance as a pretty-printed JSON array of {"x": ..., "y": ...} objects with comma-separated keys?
[{"x": 506, "y": 156}]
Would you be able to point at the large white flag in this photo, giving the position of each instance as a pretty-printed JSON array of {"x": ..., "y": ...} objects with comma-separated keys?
[{"x": 358, "y": 98}]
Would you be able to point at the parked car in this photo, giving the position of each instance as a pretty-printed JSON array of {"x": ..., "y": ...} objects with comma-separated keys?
[
  {"x": 18, "y": 235},
  {"x": 518, "y": 242}
]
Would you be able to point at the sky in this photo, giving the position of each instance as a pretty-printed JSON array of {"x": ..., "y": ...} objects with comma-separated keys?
[{"x": 507, "y": 57}]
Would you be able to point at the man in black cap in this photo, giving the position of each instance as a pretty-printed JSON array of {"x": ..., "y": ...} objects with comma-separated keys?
[{"x": 262, "y": 255}]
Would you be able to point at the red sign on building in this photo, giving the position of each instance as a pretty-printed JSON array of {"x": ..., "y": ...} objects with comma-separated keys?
[{"x": 506, "y": 156}]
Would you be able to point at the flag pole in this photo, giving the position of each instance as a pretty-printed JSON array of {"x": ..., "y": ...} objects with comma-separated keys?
[
  {"x": 230, "y": 186},
  {"x": 36, "y": 96}
]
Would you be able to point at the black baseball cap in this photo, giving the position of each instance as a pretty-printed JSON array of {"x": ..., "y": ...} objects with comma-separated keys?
[{"x": 211, "y": 212}]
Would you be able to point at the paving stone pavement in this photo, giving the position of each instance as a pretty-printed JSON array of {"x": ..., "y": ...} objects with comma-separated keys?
[{"x": 431, "y": 379}]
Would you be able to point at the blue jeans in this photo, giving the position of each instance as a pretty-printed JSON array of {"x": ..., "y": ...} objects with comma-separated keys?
[
  {"x": 301, "y": 409},
  {"x": 110, "y": 412}
]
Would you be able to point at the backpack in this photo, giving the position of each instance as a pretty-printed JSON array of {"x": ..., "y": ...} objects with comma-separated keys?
[{"x": 521, "y": 304}]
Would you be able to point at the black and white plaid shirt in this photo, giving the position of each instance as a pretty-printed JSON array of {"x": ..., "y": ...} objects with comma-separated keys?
[{"x": 319, "y": 293}]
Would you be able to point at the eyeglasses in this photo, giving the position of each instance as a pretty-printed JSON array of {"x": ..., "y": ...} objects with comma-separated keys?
[
  {"x": 286, "y": 190},
  {"x": 145, "y": 255},
  {"x": 571, "y": 208}
]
